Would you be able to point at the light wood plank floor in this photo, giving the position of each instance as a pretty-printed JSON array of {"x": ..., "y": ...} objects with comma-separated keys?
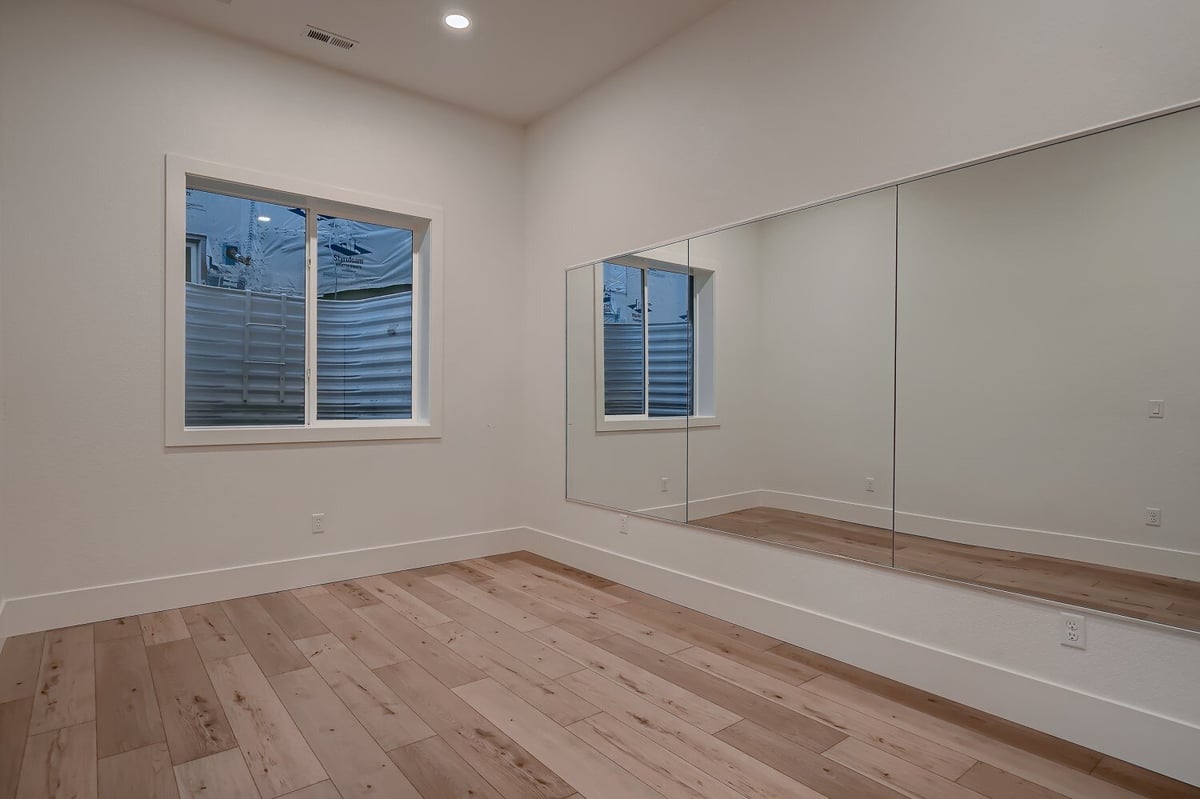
[
  {"x": 511, "y": 677},
  {"x": 1167, "y": 600}
]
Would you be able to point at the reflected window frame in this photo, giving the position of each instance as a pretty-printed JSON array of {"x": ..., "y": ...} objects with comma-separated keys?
[
  {"x": 701, "y": 360},
  {"x": 425, "y": 222}
]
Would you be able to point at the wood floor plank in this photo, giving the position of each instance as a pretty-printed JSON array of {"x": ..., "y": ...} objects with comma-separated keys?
[
  {"x": 1142, "y": 781},
  {"x": 512, "y": 770},
  {"x": 785, "y": 722},
  {"x": 194, "y": 722},
  {"x": 356, "y": 765},
  {"x": 406, "y": 604},
  {"x": 278, "y": 757},
  {"x": 567, "y": 755},
  {"x": 144, "y": 773},
  {"x": 498, "y": 609},
  {"x": 904, "y": 777},
  {"x": 390, "y": 722},
  {"x": 695, "y": 619},
  {"x": 540, "y": 582},
  {"x": 371, "y": 647},
  {"x": 722, "y": 643},
  {"x": 14, "y": 724},
  {"x": 923, "y": 752},
  {"x": 553, "y": 614},
  {"x": 163, "y": 626},
  {"x": 112, "y": 629},
  {"x": 829, "y": 778},
  {"x": 538, "y": 690},
  {"x": 578, "y": 575},
  {"x": 213, "y": 632},
  {"x": 350, "y": 594},
  {"x": 544, "y": 659},
  {"x": 1047, "y": 773},
  {"x": 264, "y": 638},
  {"x": 60, "y": 764},
  {"x": 438, "y": 659},
  {"x": 995, "y": 783},
  {"x": 19, "y": 662},
  {"x": 322, "y": 790},
  {"x": 66, "y": 683},
  {"x": 127, "y": 715},
  {"x": 436, "y": 770},
  {"x": 293, "y": 618},
  {"x": 221, "y": 775},
  {"x": 664, "y": 771},
  {"x": 731, "y": 766},
  {"x": 667, "y": 695},
  {"x": 1044, "y": 745},
  {"x": 419, "y": 587}
]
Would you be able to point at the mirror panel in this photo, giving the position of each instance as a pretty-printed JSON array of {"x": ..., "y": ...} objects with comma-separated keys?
[
  {"x": 1046, "y": 300},
  {"x": 629, "y": 382},
  {"x": 800, "y": 450},
  {"x": 1004, "y": 352}
]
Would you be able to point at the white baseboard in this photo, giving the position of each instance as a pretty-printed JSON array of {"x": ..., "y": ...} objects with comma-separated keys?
[
  {"x": 854, "y": 512},
  {"x": 1120, "y": 554},
  {"x": 1139, "y": 736},
  {"x": 96, "y": 603}
]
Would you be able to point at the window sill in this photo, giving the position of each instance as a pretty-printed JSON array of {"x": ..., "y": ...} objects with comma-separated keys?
[
  {"x": 616, "y": 424},
  {"x": 345, "y": 431}
]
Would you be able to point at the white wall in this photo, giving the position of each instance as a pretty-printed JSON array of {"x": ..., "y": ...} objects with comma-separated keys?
[
  {"x": 94, "y": 94},
  {"x": 828, "y": 310},
  {"x": 1026, "y": 362},
  {"x": 769, "y": 104}
]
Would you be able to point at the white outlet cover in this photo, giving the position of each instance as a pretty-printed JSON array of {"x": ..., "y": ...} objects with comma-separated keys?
[{"x": 1073, "y": 630}]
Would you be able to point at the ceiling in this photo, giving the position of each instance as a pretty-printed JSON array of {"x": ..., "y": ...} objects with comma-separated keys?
[{"x": 517, "y": 61}]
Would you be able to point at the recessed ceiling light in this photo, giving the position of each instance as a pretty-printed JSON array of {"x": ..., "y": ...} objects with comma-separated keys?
[
  {"x": 264, "y": 219},
  {"x": 458, "y": 21}
]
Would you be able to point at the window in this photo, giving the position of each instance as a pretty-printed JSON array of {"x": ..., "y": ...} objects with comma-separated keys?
[
  {"x": 649, "y": 355},
  {"x": 303, "y": 313}
]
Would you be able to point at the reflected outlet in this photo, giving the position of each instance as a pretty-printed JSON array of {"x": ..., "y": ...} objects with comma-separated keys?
[
  {"x": 318, "y": 523},
  {"x": 623, "y": 525}
]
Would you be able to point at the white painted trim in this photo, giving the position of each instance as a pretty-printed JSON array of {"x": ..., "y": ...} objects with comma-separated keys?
[
  {"x": 1120, "y": 554},
  {"x": 843, "y": 510},
  {"x": 1149, "y": 739},
  {"x": 855, "y": 512},
  {"x": 428, "y": 280},
  {"x": 97, "y": 603}
]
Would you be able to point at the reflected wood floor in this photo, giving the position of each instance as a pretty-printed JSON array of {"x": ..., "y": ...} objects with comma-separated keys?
[
  {"x": 1167, "y": 600},
  {"x": 511, "y": 676}
]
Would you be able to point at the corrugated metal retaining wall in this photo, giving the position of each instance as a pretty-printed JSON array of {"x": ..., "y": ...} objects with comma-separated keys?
[
  {"x": 245, "y": 358},
  {"x": 670, "y": 379}
]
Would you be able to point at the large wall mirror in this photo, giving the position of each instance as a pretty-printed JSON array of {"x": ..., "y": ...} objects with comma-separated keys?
[{"x": 987, "y": 375}]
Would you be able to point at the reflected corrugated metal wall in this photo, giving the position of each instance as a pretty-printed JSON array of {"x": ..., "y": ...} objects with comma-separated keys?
[
  {"x": 670, "y": 378},
  {"x": 245, "y": 357}
]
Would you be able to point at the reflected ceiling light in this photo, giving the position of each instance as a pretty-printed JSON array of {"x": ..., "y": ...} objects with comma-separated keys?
[
  {"x": 264, "y": 219},
  {"x": 458, "y": 21}
]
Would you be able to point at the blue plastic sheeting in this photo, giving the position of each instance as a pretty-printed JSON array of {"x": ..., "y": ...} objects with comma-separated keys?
[{"x": 261, "y": 246}]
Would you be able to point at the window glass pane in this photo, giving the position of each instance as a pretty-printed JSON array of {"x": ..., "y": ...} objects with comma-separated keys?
[
  {"x": 624, "y": 352},
  {"x": 244, "y": 262},
  {"x": 669, "y": 326},
  {"x": 364, "y": 320}
]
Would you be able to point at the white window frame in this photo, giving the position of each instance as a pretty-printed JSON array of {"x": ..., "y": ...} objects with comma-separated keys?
[
  {"x": 426, "y": 223},
  {"x": 704, "y": 410}
]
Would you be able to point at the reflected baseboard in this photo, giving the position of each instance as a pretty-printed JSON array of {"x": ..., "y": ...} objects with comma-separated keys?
[
  {"x": 840, "y": 509},
  {"x": 1118, "y": 554}
]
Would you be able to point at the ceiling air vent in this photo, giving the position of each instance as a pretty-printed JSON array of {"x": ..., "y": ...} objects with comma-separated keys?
[{"x": 330, "y": 38}]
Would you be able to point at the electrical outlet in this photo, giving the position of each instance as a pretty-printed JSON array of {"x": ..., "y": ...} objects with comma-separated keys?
[
  {"x": 1154, "y": 517},
  {"x": 1074, "y": 630},
  {"x": 871, "y": 484},
  {"x": 623, "y": 525},
  {"x": 1156, "y": 409},
  {"x": 663, "y": 484},
  {"x": 318, "y": 523}
]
